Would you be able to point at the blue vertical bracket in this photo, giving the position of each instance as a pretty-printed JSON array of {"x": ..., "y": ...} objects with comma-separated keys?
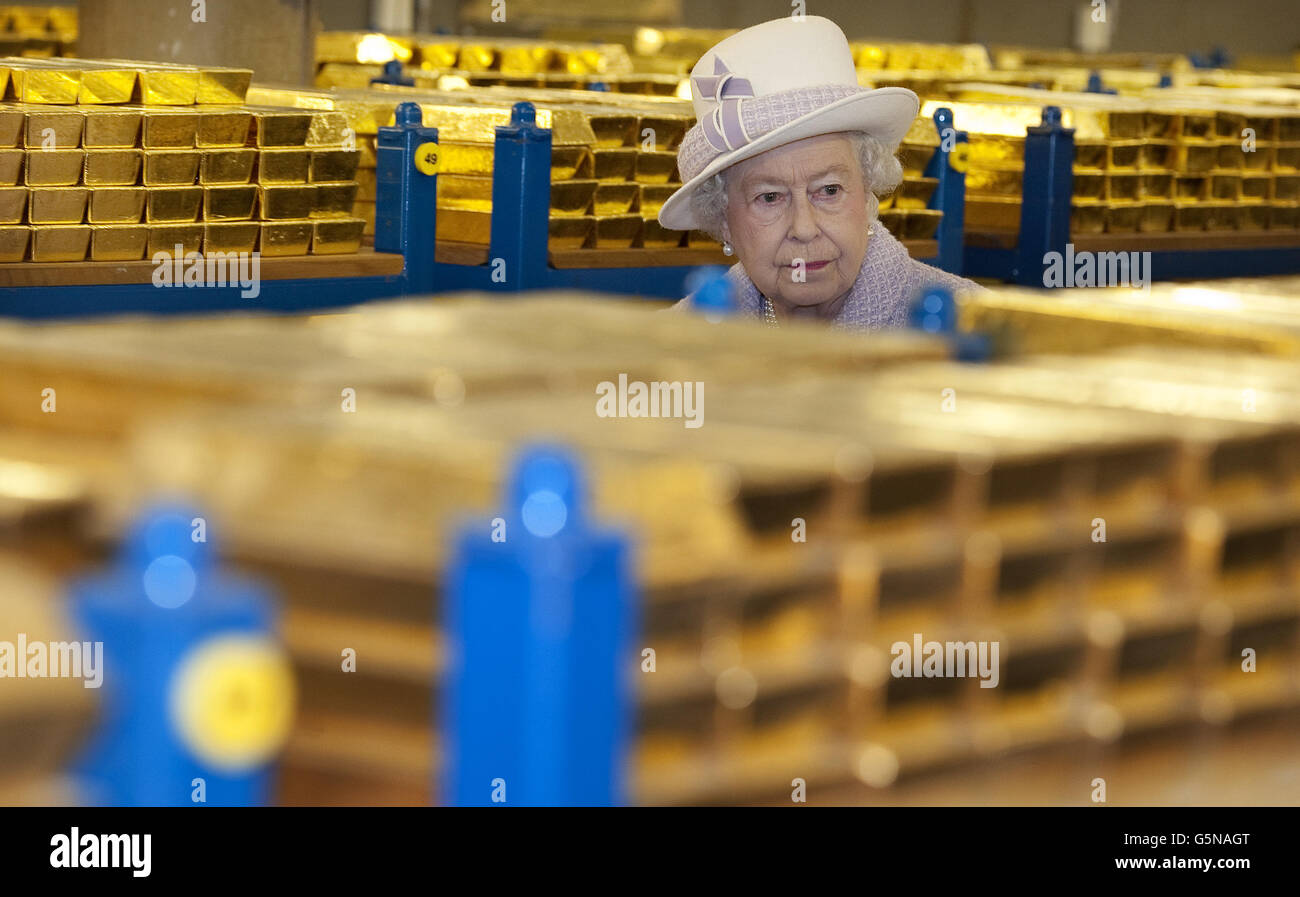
[
  {"x": 950, "y": 194},
  {"x": 196, "y": 692},
  {"x": 1045, "y": 204},
  {"x": 521, "y": 201},
  {"x": 539, "y": 606},
  {"x": 406, "y": 195}
]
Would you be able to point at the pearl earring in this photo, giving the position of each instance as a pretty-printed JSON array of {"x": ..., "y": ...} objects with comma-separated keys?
[{"x": 726, "y": 249}]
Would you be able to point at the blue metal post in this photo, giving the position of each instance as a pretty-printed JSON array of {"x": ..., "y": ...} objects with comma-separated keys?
[
  {"x": 521, "y": 202},
  {"x": 406, "y": 199},
  {"x": 935, "y": 311},
  {"x": 196, "y": 694},
  {"x": 950, "y": 195},
  {"x": 539, "y": 607},
  {"x": 1045, "y": 205}
]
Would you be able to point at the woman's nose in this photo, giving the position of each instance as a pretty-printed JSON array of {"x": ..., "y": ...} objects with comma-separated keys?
[{"x": 803, "y": 221}]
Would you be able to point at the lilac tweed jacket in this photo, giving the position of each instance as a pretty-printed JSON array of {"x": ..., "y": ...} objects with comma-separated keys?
[{"x": 888, "y": 282}]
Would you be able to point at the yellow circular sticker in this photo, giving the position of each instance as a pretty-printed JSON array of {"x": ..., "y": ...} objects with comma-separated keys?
[
  {"x": 426, "y": 158},
  {"x": 232, "y": 700},
  {"x": 959, "y": 158}
]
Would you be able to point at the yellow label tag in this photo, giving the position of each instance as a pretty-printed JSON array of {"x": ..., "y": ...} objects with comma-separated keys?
[
  {"x": 231, "y": 701},
  {"x": 959, "y": 158},
  {"x": 426, "y": 158}
]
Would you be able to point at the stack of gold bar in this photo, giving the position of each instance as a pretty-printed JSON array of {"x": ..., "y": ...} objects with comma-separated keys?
[
  {"x": 905, "y": 212},
  {"x": 338, "y": 50},
  {"x": 38, "y": 31},
  {"x": 1150, "y": 164},
  {"x": 650, "y": 83},
  {"x": 1122, "y": 526},
  {"x": 115, "y": 161},
  {"x": 613, "y": 158},
  {"x": 1264, "y": 319}
]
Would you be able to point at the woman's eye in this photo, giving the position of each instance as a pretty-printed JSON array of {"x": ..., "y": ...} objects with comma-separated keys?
[
  {"x": 832, "y": 189},
  {"x": 769, "y": 198}
]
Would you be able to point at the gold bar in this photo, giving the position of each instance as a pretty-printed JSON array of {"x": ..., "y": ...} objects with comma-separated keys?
[
  {"x": 921, "y": 224},
  {"x": 113, "y": 167},
  {"x": 54, "y": 168},
  {"x": 1221, "y": 216},
  {"x": 1225, "y": 186},
  {"x": 13, "y": 205},
  {"x": 165, "y": 86},
  {"x": 568, "y": 233},
  {"x": 336, "y": 236},
  {"x": 173, "y": 204},
  {"x": 54, "y": 129},
  {"x": 618, "y": 232},
  {"x": 221, "y": 85},
  {"x": 471, "y": 225},
  {"x": 170, "y": 168},
  {"x": 566, "y": 162},
  {"x": 330, "y": 129},
  {"x": 1156, "y": 185},
  {"x": 229, "y": 203},
  {"x": 13, "y": 124},
  {"x": 1252, "y": 217},
  {"x": 1191, "y": 187},
  {"x": 112, "y": 129},
  {"x": 1286, "y": 187},
  {"x": 653, "y": 196},
  {"x": 116, "y": 205},
  {"x": 615, "y": 164},
  {"x": 13, "y": 243},
  {"x": 286, "y": 202},
  {"x": 1123, "y": 187},
  {"x": 574, "y": 197},
  {"x": 106, "y": 84},
  {"x": 61, "y": 243},
  {"x": 231, "y": 236},
  {"x": 336, "y": 200},
  {"x": 656, "y": 168},
  {"x": 1283, "y": 216},
  {"x": 31, "y": 83},
  {"x": 118, "y": 242},
  {"x": 457, "y": 191},
  {"x": 57, "y": 205},
  {"x": 333, "y": 165},
  {"x": 655, "y": 236},
  {"x": 1123, "y": 217},
  {"x": 610, "y": 199},
  {"x": 1190, "y": 216},
  {"x": 280, "y": 127},
  {"x": 286, "y": 237},
  {"x": 223, "y": 128},
  {"x": 1157, "y": 217},
  {"x": 284, "y": 166},
  {"x": 234, "y": 166},
  {"x": 164, "y": 129},
  {"x": 915, "y": 193},
  {"x": 167, "y": 237}
]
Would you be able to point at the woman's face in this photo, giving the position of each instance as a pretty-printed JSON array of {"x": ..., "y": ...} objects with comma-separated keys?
[{"x": 797, "y": 217}]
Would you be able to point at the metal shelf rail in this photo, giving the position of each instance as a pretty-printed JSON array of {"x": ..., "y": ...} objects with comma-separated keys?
[{"x": 1045, "y": 227}]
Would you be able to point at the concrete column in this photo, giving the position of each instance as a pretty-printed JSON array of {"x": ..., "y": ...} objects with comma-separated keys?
[{"x": 275, "y": 38}]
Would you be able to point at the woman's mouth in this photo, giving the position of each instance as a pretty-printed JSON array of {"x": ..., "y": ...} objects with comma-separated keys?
[{"x": 811, "y": 266}]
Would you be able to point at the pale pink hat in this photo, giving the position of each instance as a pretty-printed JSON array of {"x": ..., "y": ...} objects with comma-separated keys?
[{"x": 773, "y": 84}]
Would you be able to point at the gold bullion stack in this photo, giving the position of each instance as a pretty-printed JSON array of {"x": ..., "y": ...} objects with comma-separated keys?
[
  {"x": 38, "y": 31},
  {"x": 939, "y": 501},
  {"x": 113, "y": 160},
  {"x": 1209, "y": 160}
]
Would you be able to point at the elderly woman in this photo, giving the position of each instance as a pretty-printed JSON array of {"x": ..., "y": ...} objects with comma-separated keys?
[{"x": 784, "y": 166}]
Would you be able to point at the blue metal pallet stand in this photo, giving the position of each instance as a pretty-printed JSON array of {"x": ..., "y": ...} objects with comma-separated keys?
[
  {"x": 539, "y": 607},
  {"x": 182, "y": 640}
]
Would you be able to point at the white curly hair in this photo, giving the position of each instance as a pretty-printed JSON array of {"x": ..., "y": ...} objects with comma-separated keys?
[{"x": 881, "y": 171}]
